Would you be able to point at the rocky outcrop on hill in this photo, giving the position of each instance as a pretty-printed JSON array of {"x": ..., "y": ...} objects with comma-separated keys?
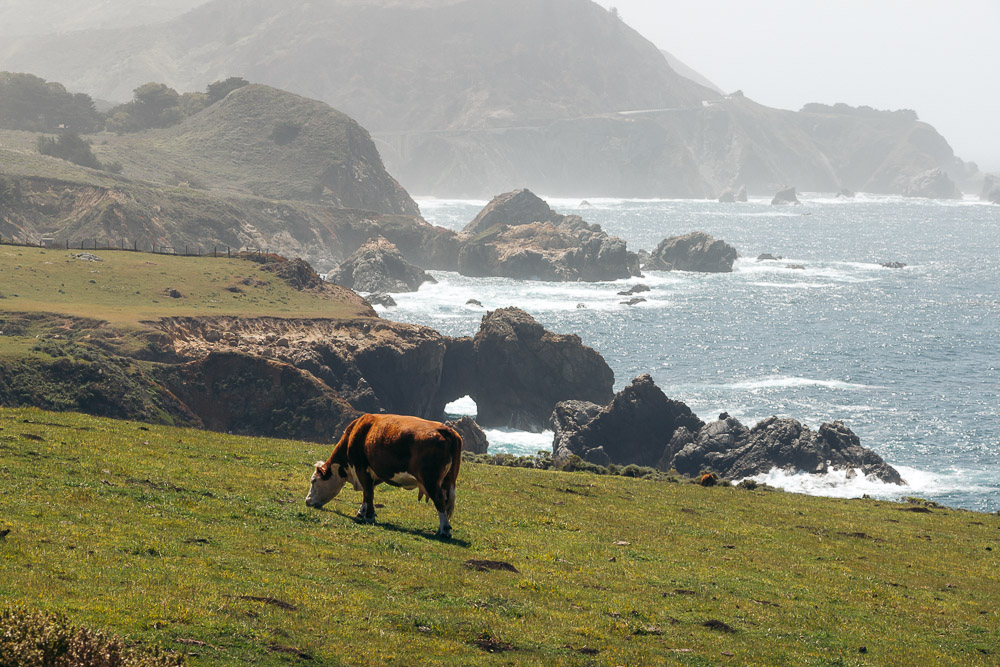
[
  {"x": 731, "y": 450},
  {"x": 931, "y": 184},
  {"x": 991, "y": 189},
  {"x": 378, "y": 266},
  {"x": 514, "y": 369},
  {"x": 145, "y": 216},
  {"x": 517, "y": 372},
  {"x": 785, "y": 196},
  {"x": 637, "y": 426},
  {"x": 473, "y": 438},
  {"x": 696, "y": 251},
  {"x": 517, "y": 235}
]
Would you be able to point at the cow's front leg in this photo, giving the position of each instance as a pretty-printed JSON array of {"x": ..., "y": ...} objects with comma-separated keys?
[{"x": 366, "y": 513}]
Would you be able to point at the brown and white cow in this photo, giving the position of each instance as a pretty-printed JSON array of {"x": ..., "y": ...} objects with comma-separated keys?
[{"x": 403, "y": 451}]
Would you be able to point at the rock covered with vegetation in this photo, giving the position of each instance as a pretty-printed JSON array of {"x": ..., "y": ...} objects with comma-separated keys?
[
  {"x": 517, "y": 235},
  {"x": 378, "y": 266},
  {"x": 696, "y": 251}
]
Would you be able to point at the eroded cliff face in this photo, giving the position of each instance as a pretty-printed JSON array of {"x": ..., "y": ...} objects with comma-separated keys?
[{"x": 148, "y": 217}]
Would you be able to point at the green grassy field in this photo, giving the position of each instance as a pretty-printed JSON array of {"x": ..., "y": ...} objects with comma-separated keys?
[
  {"x": 201, "y": 542},
  {"x": 128, "y": 288}
]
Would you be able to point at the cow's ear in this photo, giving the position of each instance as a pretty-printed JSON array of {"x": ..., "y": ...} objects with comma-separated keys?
[
  {"x": 324, "y": 473},
  {"x": 342, "y": 472}
]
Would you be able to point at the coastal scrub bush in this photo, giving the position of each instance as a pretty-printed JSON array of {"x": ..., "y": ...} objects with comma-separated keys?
[
  {"x": 69, "y": 146},
  {"x": 34, "y": 639},
  {"x": 285, "y": 131}
]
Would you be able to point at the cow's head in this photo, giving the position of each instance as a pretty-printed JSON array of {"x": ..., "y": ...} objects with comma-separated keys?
[{"x": 326, "y": 483}]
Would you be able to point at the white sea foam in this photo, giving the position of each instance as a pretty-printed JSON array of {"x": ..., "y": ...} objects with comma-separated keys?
[
  {"x": 519, "y": 443},
  {"x": 462, "y": 407},
  {"x": 842, "y": 484},
  {"x": 785, "y": 382},
  {"x": 793, "y": 285}
]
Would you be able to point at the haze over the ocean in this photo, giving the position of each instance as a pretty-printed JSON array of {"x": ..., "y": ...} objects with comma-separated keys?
[{"x": 931, "y": 56}]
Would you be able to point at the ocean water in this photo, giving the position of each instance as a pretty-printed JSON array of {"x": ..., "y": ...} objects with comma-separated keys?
[{"x": 908, "y": 358}]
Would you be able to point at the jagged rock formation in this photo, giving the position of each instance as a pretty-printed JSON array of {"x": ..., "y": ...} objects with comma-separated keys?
[
  {"x": 636, "y": 427},
  {"x": 378, "y": 266},
  {"x": 234, "y": 392},
  {"x": 733, "y": 196},
  {"x": 733, "y": 451},
  {"x": 517, "y": 372},
  {"x": 473, "y": 438},
  {"x": 517, "y": 235},
  {"x": 642, "y": 426},
  {"x": 931, "y": 184},
  {"x": 696, "y": 251},
  {"x": 991, "y": 189},
  {"x": 785, "y": 196}
]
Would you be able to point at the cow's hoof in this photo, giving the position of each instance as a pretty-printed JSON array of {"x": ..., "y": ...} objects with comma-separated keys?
[
  {"x": 366, "y": 519},
  {"x": 443, "y": 534}
]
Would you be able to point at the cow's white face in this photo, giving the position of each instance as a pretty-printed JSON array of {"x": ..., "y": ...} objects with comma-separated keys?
[{"x": 325, "y": 484}]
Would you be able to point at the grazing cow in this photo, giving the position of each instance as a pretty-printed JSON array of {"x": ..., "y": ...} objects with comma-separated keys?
[{"x": 402, "y": 451}]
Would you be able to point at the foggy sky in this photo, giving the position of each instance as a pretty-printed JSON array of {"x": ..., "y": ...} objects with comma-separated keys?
[{"x": 937, "y": 57}]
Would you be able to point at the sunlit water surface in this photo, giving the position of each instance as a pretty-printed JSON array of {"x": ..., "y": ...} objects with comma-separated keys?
[{"x": 908, "y": 358}]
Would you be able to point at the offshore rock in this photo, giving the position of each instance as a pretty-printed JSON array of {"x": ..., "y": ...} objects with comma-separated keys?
[
  {"x": 637, "y": 426},
  {"x": 517, "y": 235},
  {"x": 696, "y": 251},
  {"x": 473, "y": 438},
  {"x": 731, "y": 450},
  {"x": 931, "y": 184},
  {"x": 785, "y": 196},
  {"x": 733, "y": 196},
  {"x": 991, "y": 189},
  {"x": 378, "y": 266},
  {"x": 519, "y": 207},
  {"x": 517, "y": 372}
]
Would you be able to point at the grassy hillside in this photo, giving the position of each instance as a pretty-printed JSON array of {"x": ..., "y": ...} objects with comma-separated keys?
[
  {"x": 201, "y": 542},
  {"x": 127, "y": 288}
]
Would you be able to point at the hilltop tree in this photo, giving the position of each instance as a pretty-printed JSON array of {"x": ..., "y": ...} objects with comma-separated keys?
[
  {"x": 154, "y": 105},
  {"x": 28, "y": 102},
  {"x": 218, "y": 90}
]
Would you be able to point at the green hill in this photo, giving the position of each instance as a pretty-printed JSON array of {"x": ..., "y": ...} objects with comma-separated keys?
[
  {"x": 268, "y": 143},
  {"x": 201, "y": 542}
]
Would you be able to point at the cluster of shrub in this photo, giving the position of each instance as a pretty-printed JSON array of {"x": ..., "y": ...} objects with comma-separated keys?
[
  {"x": 542, "y": 460},
  {"x": 33, "y": 639},
  {"x": 32, "y": 104},
  {"x": 864, "y": 111}
]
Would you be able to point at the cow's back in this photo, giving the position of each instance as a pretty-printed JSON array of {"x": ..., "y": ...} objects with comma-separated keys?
[{"x": 394, "y": 444}]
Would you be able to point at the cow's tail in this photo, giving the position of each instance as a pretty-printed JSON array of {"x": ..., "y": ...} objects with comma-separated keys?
[{"x": 450, "y": 479}]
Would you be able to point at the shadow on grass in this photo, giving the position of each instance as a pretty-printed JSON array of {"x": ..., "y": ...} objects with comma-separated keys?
[{"x": 388, "y": 525}]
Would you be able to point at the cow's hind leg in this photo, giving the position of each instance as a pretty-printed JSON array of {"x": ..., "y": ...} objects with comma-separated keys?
[
  {"x": 439, "y": 498},
  {"x": 366, "y": 513}
]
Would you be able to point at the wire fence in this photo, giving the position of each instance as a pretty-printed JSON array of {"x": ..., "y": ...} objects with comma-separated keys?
[{"x": 123, "y": 245}]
